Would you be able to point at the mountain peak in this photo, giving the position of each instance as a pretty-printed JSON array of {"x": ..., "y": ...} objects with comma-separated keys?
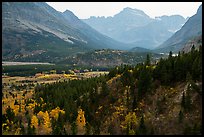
[
  {"x": 69, "y": 15},
  {"x": 133, "y": 12},
  {"x": 68, "y": 12},
  {"x": 128, "y": 9}
]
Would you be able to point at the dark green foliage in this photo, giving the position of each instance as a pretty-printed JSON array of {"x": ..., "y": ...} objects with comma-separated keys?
[
  {"x": 197, "y": 68},
  {"x": 30, "y": 130},
  {"x": 105, "y": 91},
  {"x": 188, "y": 102},
  {"x": 22, "y": 131},
  {"x": 181, "y": 116},
  {"x": 31, "y": 70},
  {"x": 88, "y": 129},
  {"x": 170, "y": 54},
  {"x": 10, "y": 114},
  {"x": 144, "y": 82},
  {"x": 183, "y": 101},
  {"x": 174, "y": 69},
  {"x": 142, "y": 128},
  {"x": 74, "y": 128},
  {"x": 188, "y": 77},
  {"x": 37, "y": 109},
  {"x": 58, "y": 125},
  {"x": 127, "y": 78},
  {"x": 196, "y": 129},
  {"x": 147, "y": 62}
]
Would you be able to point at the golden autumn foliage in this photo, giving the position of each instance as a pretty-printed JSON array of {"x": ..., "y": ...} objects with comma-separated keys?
[
  {"x": 47, "y": 124},
  {"x": 130, "y": 119},
  {"x": 80, "y": 118},
  {"x": 15, "y": 109},
  {"x": 131, "y": 71},
  {"x": 114, "y": 78},
  {"x": 40, "y": 115},
  {"x": 34, "y": 121},
  {"x": 55, "y": 113},
  {"x": 81, "y": 122}
]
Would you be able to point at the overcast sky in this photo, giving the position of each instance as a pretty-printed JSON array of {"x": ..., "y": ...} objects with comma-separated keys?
[{"x": 84, "y": 10}]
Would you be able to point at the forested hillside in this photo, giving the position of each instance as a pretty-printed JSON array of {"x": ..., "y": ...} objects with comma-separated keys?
[{"x": 164, "y": 98}]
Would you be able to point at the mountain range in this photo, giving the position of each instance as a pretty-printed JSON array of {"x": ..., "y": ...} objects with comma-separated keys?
[
  {"x": 34, "y": 31},
  {"x": 134, "y": 27}
]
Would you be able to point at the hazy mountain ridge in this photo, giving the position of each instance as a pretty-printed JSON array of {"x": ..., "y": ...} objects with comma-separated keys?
[{"x": 135, "y": 27}]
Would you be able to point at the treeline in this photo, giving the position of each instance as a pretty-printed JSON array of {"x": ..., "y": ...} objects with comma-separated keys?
[{"x": 31, "y": 70}]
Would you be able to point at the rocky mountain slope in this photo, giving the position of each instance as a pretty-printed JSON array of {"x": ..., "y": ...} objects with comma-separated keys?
[
  {"x": 192, "y": 28},
  {"x": 34, "y": 31}
]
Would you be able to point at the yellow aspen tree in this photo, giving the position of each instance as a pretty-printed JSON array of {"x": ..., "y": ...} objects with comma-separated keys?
[
  {"x": 130, "y": 121},
  {"x": 34, "y": 122},
  {"x": 81, "y": 122},
  {"x": 40, "y": 115},
  {"x": 55, "y": 113},
  {"x": 47, "y": 123}
]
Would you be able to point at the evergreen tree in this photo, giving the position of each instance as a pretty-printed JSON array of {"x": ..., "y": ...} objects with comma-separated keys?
[
  {"x": 30, "y": 129},
  {"x": 170, "y": 54},
  {"x": 181, "y": 116},
  {"x": 88, "y": 129},
  {"x": 142, "y": 127},
  {"x": 147, "y": 62},
  {"x": 193, "y": 49},
  {"x": 188, "y": 77},
  {"x": 144, "y": 82},
  {"x": 197, "y": 68},
  {"x": 188, "y": 101},
  {"x": 10, "y": 114},
  {"x": 74, "y": 128},
  {"x": 183, "y": 101}
]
